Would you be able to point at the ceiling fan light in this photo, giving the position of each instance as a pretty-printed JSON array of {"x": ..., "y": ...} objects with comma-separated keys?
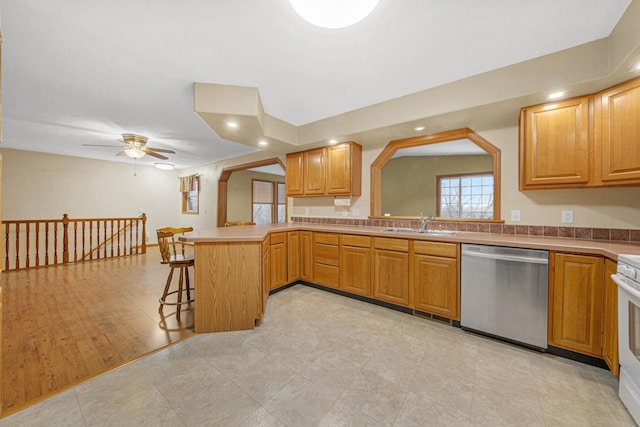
[{"x": 134, "y": 153}]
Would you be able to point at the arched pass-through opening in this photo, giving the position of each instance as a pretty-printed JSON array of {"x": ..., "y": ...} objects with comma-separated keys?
[
  {"x": 452, "y": 135},
  {"x": 224, "y": 179}
]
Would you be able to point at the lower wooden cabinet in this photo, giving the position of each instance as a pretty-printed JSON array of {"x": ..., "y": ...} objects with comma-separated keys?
[
  {"x": 435, "y": 285},
  {"x": 610, "y": 323},
  {"x": 266, "y": 271},
  {"x": 391, "y": 270},
  {"x": 278, "y": 260},
  {"x": 326, "y": 259},
  {"x": 293, "y": 256},
  {"x": 355, "y": 264},
  {"x": 575, "y": 303},
  {"x": 306, "y": 256}
]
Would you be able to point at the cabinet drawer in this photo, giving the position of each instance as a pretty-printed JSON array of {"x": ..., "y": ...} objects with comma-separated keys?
[
  {"x": 360, "y": 241},
  {"x": 278, "y": 238},
  {"x": 391, "y": 244},
  {"x": 327, "y": 275},
  {"x": 436, "y": 249},
  {"x": 327, "y": 239},
  {"x": 326, "y": 254}
]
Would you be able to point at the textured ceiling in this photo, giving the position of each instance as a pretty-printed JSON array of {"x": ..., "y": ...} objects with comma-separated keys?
[{"x": 78, "y": 72}]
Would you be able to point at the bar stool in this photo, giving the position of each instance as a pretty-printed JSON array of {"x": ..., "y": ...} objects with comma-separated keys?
[{"x": 175, "y": 259}]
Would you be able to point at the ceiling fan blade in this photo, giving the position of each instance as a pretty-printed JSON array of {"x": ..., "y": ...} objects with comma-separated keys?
[
  {"x": 161, "y": 150},
  {"x": 156, "y": 155},
  {"x": 102, "y": 145}
]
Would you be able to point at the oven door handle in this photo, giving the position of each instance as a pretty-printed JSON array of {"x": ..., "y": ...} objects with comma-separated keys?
[{"x": 622, "y": 284}]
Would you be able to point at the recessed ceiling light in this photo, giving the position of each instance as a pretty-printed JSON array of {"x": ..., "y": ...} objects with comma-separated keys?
[
  {"x": 556, "y": 95},
  {"x": 333, "y": 141},
  {"x": 166, "y": 166},
  {"x": 232, "y": 124},
  {"x": 418, "y": 128},
  {"x": 333, "y": 13},
  {"x": 262, "y": 142},
  {"x": 636, "y": 67}
]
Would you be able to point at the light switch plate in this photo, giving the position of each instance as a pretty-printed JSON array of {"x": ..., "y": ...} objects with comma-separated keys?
[
  {"x": 515, "y": 215},
  {"x": 355, "y": 212},
  {"x": 567, "y": 217}
]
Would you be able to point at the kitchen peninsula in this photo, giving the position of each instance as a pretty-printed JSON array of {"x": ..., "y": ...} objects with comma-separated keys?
[{"x": 237, "y": 267}]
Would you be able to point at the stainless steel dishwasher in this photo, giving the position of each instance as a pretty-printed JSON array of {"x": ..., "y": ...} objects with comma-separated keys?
[{"x": 504, "y": 293}]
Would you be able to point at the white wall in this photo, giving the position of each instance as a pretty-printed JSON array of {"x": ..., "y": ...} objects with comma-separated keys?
[{"x": 46, "y": 186}]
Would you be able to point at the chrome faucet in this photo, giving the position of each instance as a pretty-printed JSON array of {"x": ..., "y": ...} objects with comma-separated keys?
[{"x": 424, "y": 221}]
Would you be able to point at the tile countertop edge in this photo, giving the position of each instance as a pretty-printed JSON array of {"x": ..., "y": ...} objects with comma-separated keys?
[{"x": 563, "y": 244}]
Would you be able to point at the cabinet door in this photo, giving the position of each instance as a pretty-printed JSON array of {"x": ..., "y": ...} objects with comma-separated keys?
[
  {"x": 315, "y": 172},
  {"x": 339, "y": 169},
  {"x": 620, "y": 133},
  {"x": 610, "y": 324},
  {"x": 355, "y": 270},
  {"x": 266, "y": 275},
  {"x": 278, "y": 265},
  {"x": 576, "y": 305},
  {"x": 435, "y": 285},
  {"x": 293, "y": 256},
  {"x": 306, "y": 256},
  {"x": 294, "y": 174},
  {"x": 391, "y": 276},
  {"x": 555, "y": 150}
]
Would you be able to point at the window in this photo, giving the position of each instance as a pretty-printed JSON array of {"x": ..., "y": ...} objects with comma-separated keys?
[
  {"x": 268, "y": 202},
  {"x": 191, "y": 197},
  {"x": 465, "y": 196}
]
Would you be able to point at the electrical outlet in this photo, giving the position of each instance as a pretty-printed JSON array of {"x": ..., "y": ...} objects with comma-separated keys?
[
  {"x": 515, "y": 215},
  {"x": 355, "y": 212},
  {"x": 567, "y": 217},
  {"x": 345, "y": 212},
  {"x": 306, "y": 211}
]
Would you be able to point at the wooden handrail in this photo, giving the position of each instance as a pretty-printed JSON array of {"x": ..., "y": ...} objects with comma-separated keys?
[{"x": 82, "y": 239}]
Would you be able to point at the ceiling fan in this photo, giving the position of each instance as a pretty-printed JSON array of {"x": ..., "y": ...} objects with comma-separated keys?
[{"x": 135, "y": 147}]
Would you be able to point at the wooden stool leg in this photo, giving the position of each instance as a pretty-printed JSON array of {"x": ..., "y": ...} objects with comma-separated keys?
[
  {"x": 186, "y": 273},
  {"x": 166, "y": 289},
  {"x": 179, "y": 294}
]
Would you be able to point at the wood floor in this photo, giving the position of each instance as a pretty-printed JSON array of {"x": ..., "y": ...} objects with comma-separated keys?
[{"x": 65, "y": 324}]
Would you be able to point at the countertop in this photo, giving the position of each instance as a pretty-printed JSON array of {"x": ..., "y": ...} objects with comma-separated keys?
[{"x": 257, "y": 233}]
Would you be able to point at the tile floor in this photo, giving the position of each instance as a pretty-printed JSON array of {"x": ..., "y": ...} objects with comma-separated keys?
[{"x": 320, "y": 359}]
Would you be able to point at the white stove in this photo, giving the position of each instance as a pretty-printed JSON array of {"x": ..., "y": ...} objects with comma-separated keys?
[{"x": 628, "y": 280}]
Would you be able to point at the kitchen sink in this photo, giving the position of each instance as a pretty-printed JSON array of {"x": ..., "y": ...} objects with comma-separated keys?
[{"x": 428, "y": 232}]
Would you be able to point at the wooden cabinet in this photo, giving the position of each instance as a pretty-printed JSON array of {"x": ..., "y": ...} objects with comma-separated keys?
[
  {"x": 575, "y": 303},
  {"x": 344, "y": 167},
  {"x": 555, "y": 148},
  {"x": 391, "y": 270},
  {"x": 315, "y": 172},
  {"x": 278, "y": 260},
  {"x": 294, "y": 174},
  {"x": 435, "y": 279},
  {"x": 610, "y": 322},
  {"x": 589, "y": 141},
  {"x": 306, "y": 256},
  {"x": 619, "y": 136},
  {"x": 326, "y": 259},
  {"x": 293, "y": 256},
  {"x": 266, "y": 270},
  {"x": 355, "y": 264},
  {"x": 326, "y": 171}
]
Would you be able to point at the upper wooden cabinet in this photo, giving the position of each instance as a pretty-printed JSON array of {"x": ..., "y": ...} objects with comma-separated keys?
[
  {"x": 294, "y": 179},
  {"x": 326, "y": 171},
  {"x": 619, "y": 133},
  {"x": 589, "y": 141},
  {"x": 554, "y": 145}
]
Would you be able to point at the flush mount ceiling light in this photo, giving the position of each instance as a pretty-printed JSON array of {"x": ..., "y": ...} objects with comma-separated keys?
[
  {"x": 165, "y": 166},
  {"x": 556, "y": 95},
  {"x": 333, "y": 141},
  {"x": 418, "y": 128},
  {"x": 263, "y": 142},
  {"x": 232, "y": 124},
  {"x": 333, "y": 13}
]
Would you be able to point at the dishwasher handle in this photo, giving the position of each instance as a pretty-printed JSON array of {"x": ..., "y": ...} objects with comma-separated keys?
[{"x": 503, "y": 257}]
